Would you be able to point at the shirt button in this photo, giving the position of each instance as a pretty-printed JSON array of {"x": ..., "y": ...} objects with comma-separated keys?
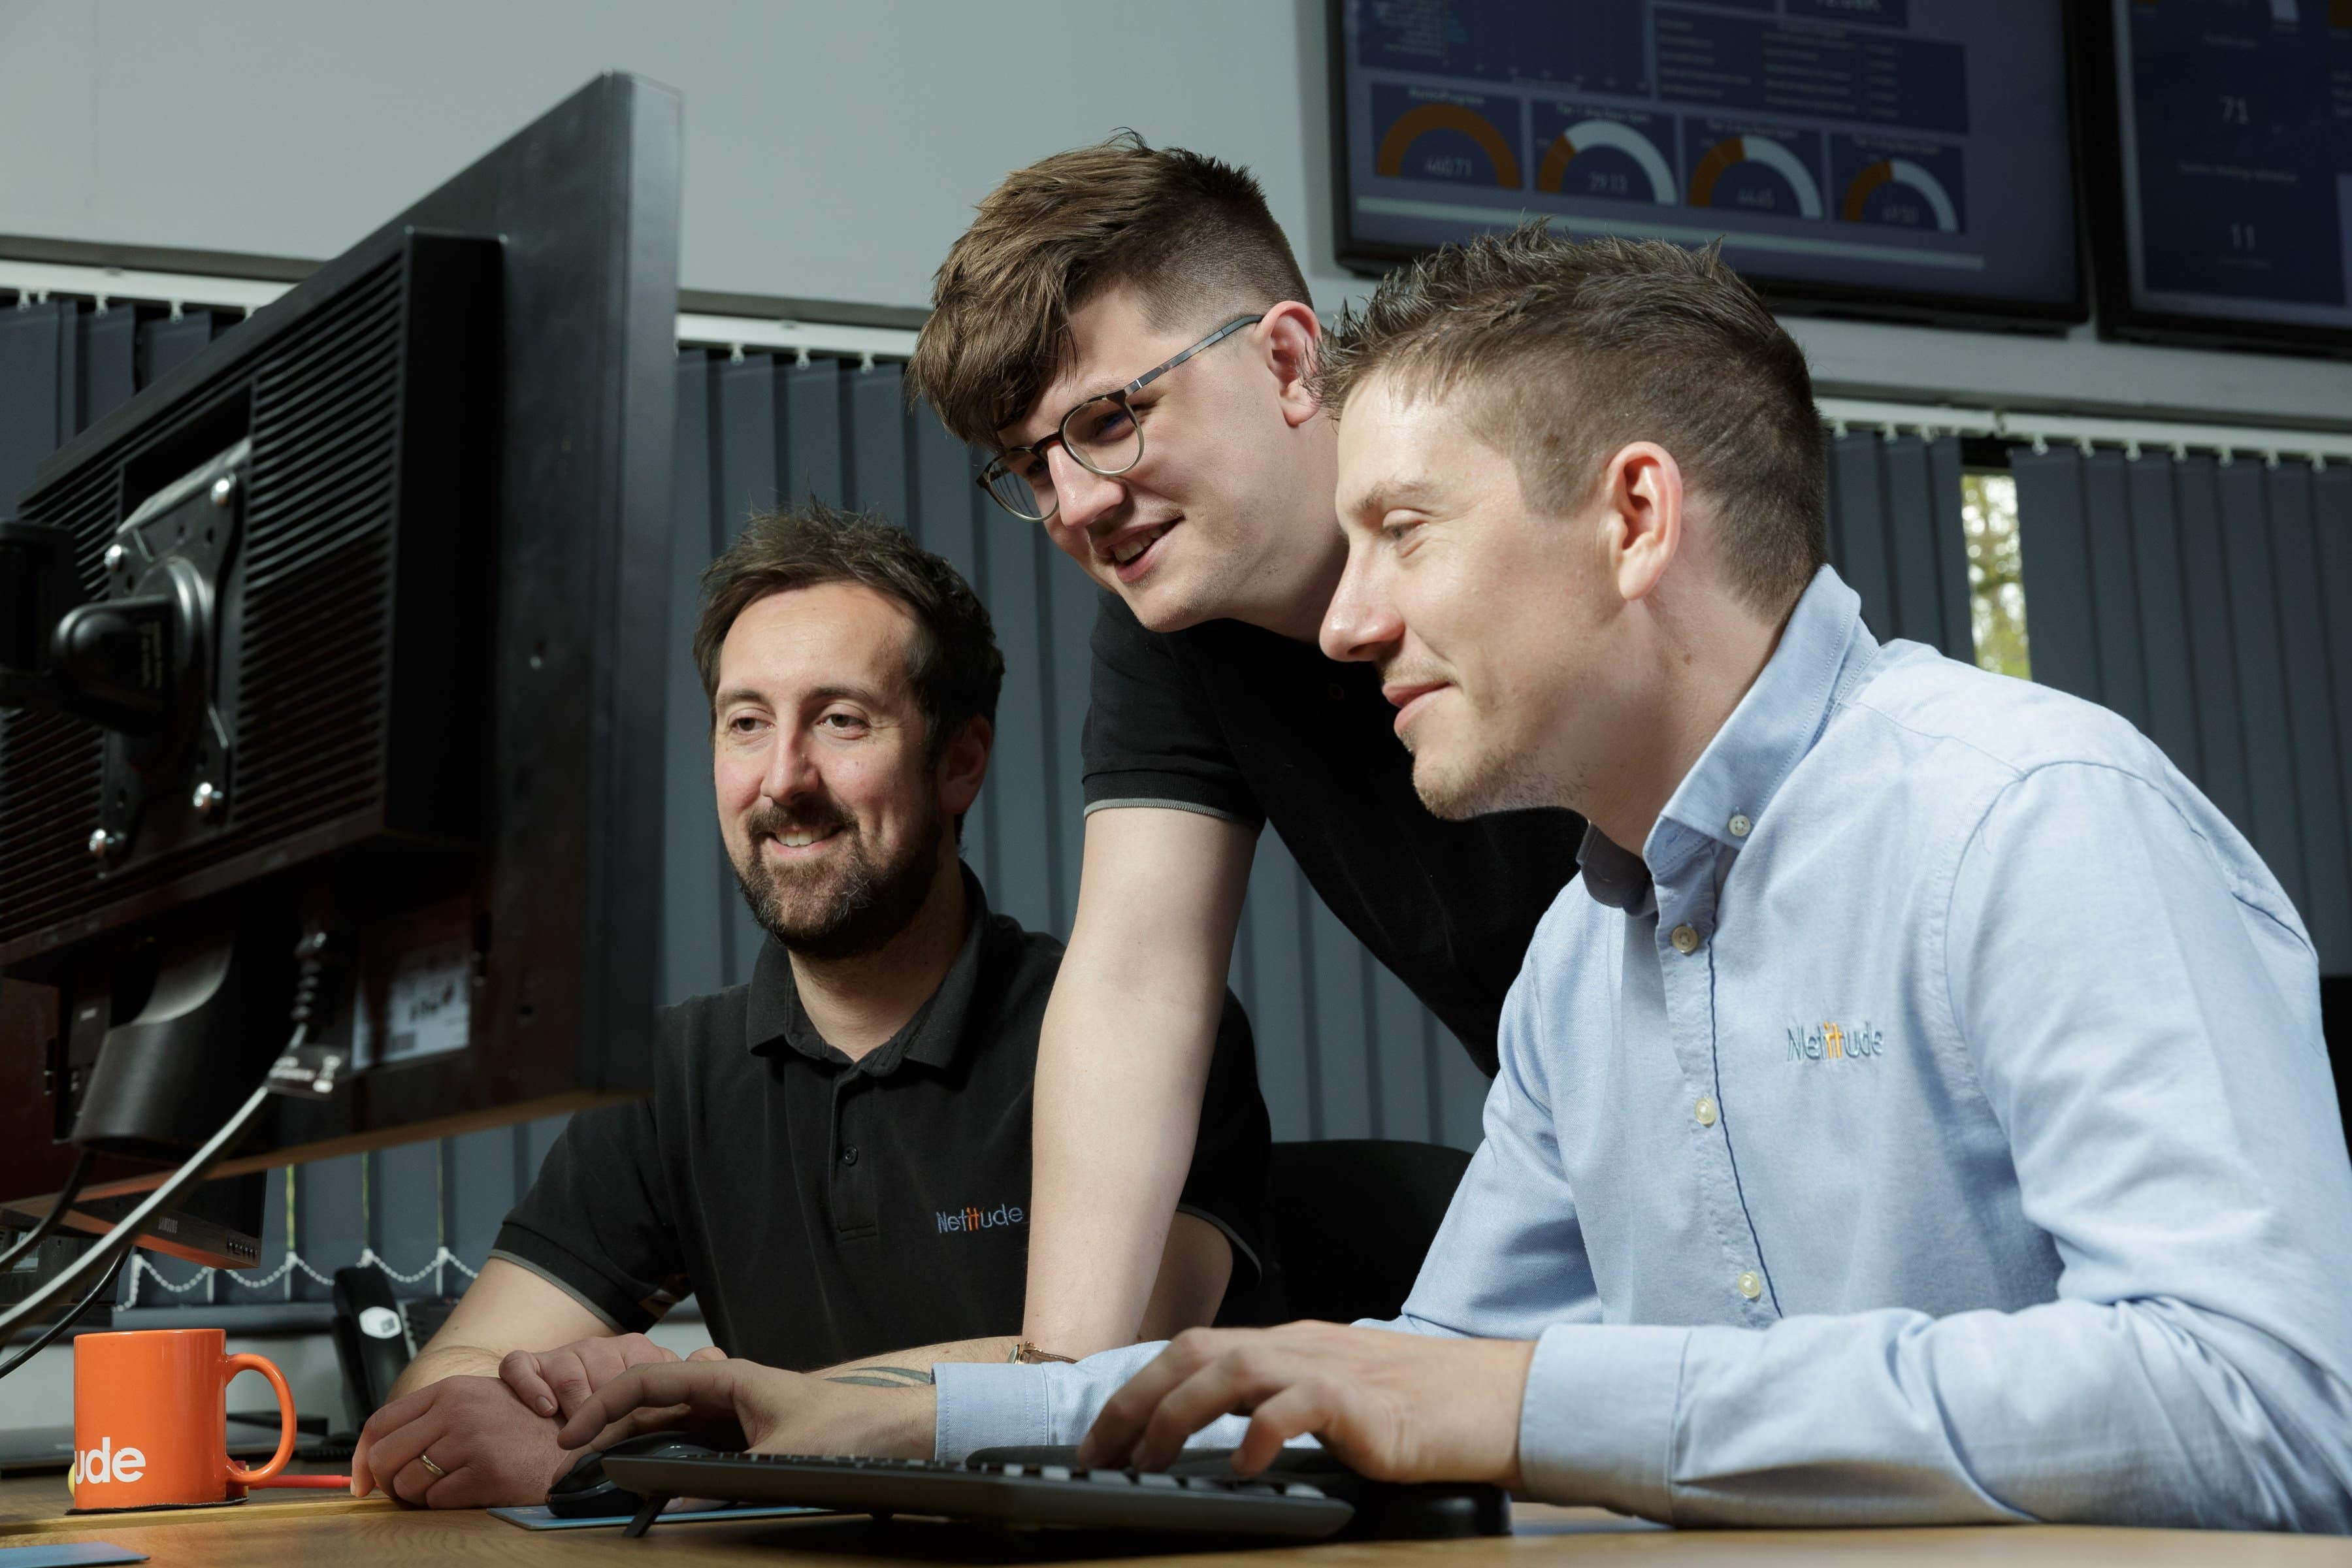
[
  {"x": 1686, "y": 941},
  {"x": 1749, "y": 1285},
  {"x": 1339, "y": 692},
  {"x": 849, "y": 1154},
  {"x": 1739, "y": 824},
  {"x": 1705, "y": 1110}
]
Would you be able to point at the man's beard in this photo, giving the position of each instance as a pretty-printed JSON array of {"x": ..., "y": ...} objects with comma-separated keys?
[
  {"x": 849, "y": 908},
  {"x": 1479, "y": 785}
]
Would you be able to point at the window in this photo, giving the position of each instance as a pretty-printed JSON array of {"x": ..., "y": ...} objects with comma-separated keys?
[{"x": 1996, "y": 576}]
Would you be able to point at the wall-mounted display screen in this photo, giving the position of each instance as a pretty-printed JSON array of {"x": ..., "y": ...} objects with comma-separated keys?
[
  {"x": 1901, "y": 153},
  {"x": 2233, "y": 160}
]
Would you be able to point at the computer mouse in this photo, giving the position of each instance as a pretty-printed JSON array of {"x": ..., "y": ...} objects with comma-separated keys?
[{"x": 584, "y": 1492}]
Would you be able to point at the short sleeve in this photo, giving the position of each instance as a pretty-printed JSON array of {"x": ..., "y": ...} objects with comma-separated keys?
[
  {"x": 595, "y": 1224},
  {"x": 1150, "y": 737},
  {"x": 1227, "y": 1184}
]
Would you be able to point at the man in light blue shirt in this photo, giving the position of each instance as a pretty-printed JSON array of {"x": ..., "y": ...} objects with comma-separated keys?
[{"x": 1930, "y": 1121}]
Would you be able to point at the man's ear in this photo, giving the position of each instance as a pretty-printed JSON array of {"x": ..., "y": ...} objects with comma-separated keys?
[
  {"x": 1292, "y": 336},
  {"x": 963, "y": 767},
  {"x": 1642, "y": 515}
]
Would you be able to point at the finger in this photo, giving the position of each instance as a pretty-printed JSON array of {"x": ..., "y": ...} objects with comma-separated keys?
[
  {"x": 387, "y": 1420},
  {"x": 667, "y": 1419},
  {"x": 708, "y": 1353},
  {"x": 708, "y": 1388},
  {"x": 475, "y": 1486},
  {"x": 1234, "y": 1383},
  {"x": 396, "y": 1451},
  {"x": 413, "y": 1484},
  {"x": 1124, "y": 1415},
  {"x": 1295, "y": 1411},
  {"x": 567, "y": 1378},
  {"x": 521, "y": 1374},
  {"x": 636, "y": 1350}
]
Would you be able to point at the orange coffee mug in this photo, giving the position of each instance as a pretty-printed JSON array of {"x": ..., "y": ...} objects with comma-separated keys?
[{"x": 150, "y": 1419}]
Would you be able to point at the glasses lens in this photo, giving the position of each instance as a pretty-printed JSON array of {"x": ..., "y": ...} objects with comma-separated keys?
[
  {"x": 1104, "y": 435},
  {"x": 1022, "y": 486}
]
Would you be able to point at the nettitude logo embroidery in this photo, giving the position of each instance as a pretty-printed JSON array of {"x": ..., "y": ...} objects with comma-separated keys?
[
  {"x": 1831, "y": 1042},
  {"x": 980, "y": 1220},
  {"x": 107, "y": 1463}
]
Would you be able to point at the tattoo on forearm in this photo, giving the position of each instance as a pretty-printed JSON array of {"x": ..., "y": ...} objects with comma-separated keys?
[{"x": 885, "y": 1378}]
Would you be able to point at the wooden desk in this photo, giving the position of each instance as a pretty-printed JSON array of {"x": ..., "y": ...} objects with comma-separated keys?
[{"x": 334, "y": 1531}]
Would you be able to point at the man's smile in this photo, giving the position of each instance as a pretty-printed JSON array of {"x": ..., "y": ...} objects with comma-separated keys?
[
  {"x": 1129, "y": 552},
  {"x": 1408, "y": 696}
]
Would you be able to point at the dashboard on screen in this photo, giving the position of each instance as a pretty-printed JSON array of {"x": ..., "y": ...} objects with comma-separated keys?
[
  {"x": 2226, "y": 190},
  {"x": 1914, "y": 155}
]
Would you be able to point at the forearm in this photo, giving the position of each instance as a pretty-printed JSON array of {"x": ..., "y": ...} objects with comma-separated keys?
[
  {"x": 1123, "y": 1060},
  {"x": 2144, "y": 1412},
  {"x": 438, "y": 1360},
  {"x": 914, "y": 1366},
  {"x": 1119, "y": 1081}
]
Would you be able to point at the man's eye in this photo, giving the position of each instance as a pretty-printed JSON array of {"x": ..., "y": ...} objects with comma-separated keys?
[{"x": 844, "y": 721}]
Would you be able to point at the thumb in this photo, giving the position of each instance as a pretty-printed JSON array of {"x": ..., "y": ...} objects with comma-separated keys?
[
  {"x": 707, "y": 1391},
  {"x": 708, "y": 1353},
  {"x": 523, "y": 1376}
]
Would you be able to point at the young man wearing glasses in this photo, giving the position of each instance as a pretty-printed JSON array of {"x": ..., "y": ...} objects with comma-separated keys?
[{"x": 1126, "y": 327}]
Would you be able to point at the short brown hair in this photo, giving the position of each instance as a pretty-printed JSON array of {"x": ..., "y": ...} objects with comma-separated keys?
[
  {"x": 1570, "y": 351},
  {"x": 1190, "y": 234},
  {"x": 952, "y": 663}
]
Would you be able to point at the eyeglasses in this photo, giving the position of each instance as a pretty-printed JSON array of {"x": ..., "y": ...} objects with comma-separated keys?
[{"x": 1101, "y": 435}]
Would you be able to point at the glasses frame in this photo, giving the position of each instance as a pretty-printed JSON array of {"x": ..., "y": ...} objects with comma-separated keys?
[{"x": 1061, "y": 433}]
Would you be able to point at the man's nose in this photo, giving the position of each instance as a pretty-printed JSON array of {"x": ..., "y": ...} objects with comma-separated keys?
[
  {"x": 792, "y": 766},
  {"x": 1084, "y": 495},
  {"x": 1361, "y": 623}
]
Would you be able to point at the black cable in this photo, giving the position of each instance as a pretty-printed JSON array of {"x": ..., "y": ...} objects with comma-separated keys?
[
  {"x": 49, "y": 1335},
  {"x": 117, "y": 1243},
  {"x": 50, "y": 1221}
]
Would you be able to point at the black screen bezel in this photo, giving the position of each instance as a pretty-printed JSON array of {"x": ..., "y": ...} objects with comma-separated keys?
[{"x": 2099, "y": 92}]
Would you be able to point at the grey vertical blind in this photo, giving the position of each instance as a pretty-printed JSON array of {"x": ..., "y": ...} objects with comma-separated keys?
[
  {"x": 2210, "y": 602},
  {"x": 1344, "y": 1050},
  {"x": 1894, "y": 536}
]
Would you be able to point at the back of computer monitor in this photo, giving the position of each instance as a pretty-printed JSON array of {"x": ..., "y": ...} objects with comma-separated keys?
[{"x": 350, "y": 633}]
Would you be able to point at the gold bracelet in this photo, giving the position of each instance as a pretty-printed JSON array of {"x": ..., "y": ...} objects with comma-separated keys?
[{"x": 1024, "y": 1353}]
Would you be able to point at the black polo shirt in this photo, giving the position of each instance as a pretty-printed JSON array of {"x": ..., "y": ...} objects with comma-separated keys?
[
  {"x": 1240, "y": 722},
  {"x": 822, "y": 1209}
]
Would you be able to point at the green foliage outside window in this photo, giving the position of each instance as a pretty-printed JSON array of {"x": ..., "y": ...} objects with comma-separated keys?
[{"x": 1996, "y": 574}]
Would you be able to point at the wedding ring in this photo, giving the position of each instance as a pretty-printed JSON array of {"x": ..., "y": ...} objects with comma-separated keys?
[{"x": 426, "y": 1460}]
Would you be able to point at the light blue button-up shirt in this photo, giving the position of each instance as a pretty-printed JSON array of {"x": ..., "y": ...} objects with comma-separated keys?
[{"x": 1932, "y": 1123}]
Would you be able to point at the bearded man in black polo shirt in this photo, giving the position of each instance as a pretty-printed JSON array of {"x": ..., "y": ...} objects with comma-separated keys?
[
  {"x": 835, "y": 1159},
  {"x": 1127, "y": 327}
]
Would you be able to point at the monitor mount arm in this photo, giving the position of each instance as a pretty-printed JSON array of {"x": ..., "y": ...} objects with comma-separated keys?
[{"x": 149, "y": 659}]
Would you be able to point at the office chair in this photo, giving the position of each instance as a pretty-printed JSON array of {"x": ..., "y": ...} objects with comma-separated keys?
[{"x": 1352, "y": 1218}]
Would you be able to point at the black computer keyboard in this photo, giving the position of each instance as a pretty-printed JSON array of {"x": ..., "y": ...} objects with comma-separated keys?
[{"x": 1044, "y": 1488}]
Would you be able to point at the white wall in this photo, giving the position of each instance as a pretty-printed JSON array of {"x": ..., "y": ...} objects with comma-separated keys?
[{"x": 833, "y": 149}]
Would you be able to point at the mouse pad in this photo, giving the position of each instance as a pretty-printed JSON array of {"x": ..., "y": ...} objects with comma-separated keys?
[{"x": 536, "y": 1517}]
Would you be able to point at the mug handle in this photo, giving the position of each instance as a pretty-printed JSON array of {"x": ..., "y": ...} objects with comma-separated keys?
[{"x": 230, "y": 1367}]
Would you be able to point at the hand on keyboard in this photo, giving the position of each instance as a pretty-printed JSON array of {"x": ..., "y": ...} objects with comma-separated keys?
[
  {"x": 779, "y": 1412},
  {"x": 1395, "y": 1406}
]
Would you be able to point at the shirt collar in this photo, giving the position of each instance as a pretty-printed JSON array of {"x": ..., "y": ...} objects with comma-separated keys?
[
  {"x": 1822, "y": 650},
  {"x": 932, "y": 1036}
]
